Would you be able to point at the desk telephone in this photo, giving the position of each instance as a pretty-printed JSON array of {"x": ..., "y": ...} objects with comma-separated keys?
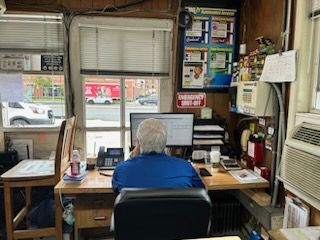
[{"x": 110, "y": 158}]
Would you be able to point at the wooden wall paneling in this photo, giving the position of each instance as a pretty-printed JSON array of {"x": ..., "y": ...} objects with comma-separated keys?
[
  {"x": 148, "y": 5},
  {"x": 263, "y": 18},
  {"x": 72, "y": 4},
  {"x": 163, "y": 4},
  {"x": 101, "y": 3},
  {"x": 46, "y": 5},
  {"x": 86, "y": 4},
  {"x": 156, "y": 5}
]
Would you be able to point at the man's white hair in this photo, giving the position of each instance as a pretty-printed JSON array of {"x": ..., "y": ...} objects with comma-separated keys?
[{"x": 152, "y": 136}]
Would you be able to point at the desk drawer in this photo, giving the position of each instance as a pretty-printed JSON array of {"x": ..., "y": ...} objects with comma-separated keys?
[{"x": 93, "y": 211}]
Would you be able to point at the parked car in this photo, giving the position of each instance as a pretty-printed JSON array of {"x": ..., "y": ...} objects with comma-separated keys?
[
  {"x": 99, "y": 99},
  {"x": 151, "y": 99},
  {"x": 29, "y": 113}
]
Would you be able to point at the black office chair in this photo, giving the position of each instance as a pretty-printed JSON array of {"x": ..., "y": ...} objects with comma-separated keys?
[{"x": 162, "y": 214}]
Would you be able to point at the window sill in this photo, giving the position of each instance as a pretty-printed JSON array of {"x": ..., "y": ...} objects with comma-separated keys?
[
  {"x": 31, "y": 129},
  {"x": 312, "y": 118}
]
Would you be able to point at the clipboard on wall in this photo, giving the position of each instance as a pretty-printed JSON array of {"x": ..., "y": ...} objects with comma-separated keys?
[{"x": 296, "y": 213}]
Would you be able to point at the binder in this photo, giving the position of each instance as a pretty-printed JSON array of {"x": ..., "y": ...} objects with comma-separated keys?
[{"x": 296, "y": 213}]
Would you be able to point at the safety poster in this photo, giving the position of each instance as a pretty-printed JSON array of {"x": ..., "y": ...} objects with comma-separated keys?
[{"x": 208, "y": 48}]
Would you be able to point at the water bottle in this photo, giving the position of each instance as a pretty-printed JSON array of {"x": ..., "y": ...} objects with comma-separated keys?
[{"x": 75, "y": 163}]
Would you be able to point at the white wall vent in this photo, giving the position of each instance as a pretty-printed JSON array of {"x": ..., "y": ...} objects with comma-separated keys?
[
  {"x": 3, "y": 7},
  {"x": 300, "y": 163}
]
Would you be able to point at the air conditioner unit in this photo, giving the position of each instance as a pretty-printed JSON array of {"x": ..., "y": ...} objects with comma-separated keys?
[
  {"x": 300, "y": 163},
  {"x": 3, "y": 7}
]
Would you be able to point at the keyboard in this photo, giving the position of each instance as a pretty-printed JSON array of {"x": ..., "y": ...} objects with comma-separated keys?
[
  {"x": 230, "y": 164},
  {"x": 204, "y": 172}
]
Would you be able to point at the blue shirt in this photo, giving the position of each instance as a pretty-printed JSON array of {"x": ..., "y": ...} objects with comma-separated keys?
[{"x": 155, "y": 170}]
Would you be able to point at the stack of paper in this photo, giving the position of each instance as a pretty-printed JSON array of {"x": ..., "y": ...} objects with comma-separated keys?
[
  {"x": 247, "y": 176},
  {"x": 296, "y": 213},
  {"x": 77, "y": 179}
]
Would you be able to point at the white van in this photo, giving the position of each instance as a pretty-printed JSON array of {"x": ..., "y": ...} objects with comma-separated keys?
[{"x": 28, "y": 113}]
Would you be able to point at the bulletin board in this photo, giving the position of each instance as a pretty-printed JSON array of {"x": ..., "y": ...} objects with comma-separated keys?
[{"x": 208, "y": 48}]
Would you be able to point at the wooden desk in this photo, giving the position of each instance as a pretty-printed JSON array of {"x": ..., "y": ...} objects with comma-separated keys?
[
  {"x": 94, "y": 197},
  {"x": 93, "y": 201},
  {"x": 223, "y": 180}
]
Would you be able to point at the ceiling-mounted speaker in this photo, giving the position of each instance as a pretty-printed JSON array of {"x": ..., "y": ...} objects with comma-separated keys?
[{"x": 3, "y": 7}]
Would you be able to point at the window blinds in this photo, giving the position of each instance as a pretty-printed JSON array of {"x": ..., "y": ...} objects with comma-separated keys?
[
  {"x": 116, "y": 50},
  {"x": 34, "y": 32}
]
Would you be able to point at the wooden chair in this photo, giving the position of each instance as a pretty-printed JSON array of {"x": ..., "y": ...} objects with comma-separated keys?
[{"x": 33, "y": 173}]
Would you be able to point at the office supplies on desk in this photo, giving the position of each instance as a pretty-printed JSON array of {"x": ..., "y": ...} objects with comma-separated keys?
[
  {"x": 207, "y": 142},
  {"x": 199, "y": 155},
  {"x": 78, "y": 179},
  {"x": 230, "y": 164},
  {"x": 207, "y": 133},
  {"x": 110, "y": 158},
  {"x": 105, "y": 174},
  {"x": 204, "y": 172},
  {"x": 208, "y": 128},
  {"x": 247, "y": 176}
]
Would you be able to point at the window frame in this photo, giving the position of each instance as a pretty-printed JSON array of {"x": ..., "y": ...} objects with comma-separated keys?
[
  {"x": 301, "y": 90},
  {"x": 315, "y": 59},
  {"x": 53, "y": 51},
  {"x": 165, "y": 86}
]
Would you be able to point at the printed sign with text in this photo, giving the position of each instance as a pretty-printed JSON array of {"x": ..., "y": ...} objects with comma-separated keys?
[{"x": 191, "y": 100}]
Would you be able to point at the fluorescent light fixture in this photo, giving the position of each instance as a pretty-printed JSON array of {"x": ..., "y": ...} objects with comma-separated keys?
[{"x": 3, "y": 7}]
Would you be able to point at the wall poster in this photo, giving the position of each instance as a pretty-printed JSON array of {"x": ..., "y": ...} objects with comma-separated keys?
[{"x": 208, "y": 48}]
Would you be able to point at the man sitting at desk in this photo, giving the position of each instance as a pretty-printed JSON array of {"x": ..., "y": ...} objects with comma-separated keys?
[{"x": 150, "y": 167}]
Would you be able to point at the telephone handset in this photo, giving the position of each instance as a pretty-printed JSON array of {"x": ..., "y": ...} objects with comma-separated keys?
[{"x": 110, "y": 158}]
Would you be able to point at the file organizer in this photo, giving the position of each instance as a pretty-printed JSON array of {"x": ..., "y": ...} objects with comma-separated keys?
[{"x": 207, "y": 133}]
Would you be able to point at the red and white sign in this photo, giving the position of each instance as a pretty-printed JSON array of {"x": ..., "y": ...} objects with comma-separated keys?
[
  {"x": 191, "y": 100},
  {"x": 102, "y": 89}
]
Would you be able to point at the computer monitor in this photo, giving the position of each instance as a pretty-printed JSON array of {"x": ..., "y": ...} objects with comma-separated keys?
[{"x": 179, "y": 127}]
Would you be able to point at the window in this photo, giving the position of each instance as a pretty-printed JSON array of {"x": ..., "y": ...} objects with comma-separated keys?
[
  {"x": 31, "y": 62},
  {"x": 109, "y": 108},
  {"x": 122, "y": 66},
  {"x": 38, "y": 107},
  {"x": 315, "y": 26}
]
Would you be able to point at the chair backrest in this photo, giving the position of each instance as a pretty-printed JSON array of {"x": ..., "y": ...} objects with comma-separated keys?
[
  {"x": 64, "y": 147},
  {"x": 162, "y": 214}
]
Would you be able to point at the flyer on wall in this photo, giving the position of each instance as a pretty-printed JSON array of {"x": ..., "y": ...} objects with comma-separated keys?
[
  {"x": 210, "y": 44},
  {"x": 199, "y": 31},
  {"x": 193, "y": 76},
  {"x": 221, "y": 65},
  {"x": 222, "y": 30},
  {"x": 194, "y": 53}
]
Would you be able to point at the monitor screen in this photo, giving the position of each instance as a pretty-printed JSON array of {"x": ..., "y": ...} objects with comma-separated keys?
[{"x": 179, "y": 127}]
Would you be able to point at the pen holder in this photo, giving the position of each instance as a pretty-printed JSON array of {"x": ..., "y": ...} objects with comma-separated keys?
[{"x": 91, "y": 162}]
